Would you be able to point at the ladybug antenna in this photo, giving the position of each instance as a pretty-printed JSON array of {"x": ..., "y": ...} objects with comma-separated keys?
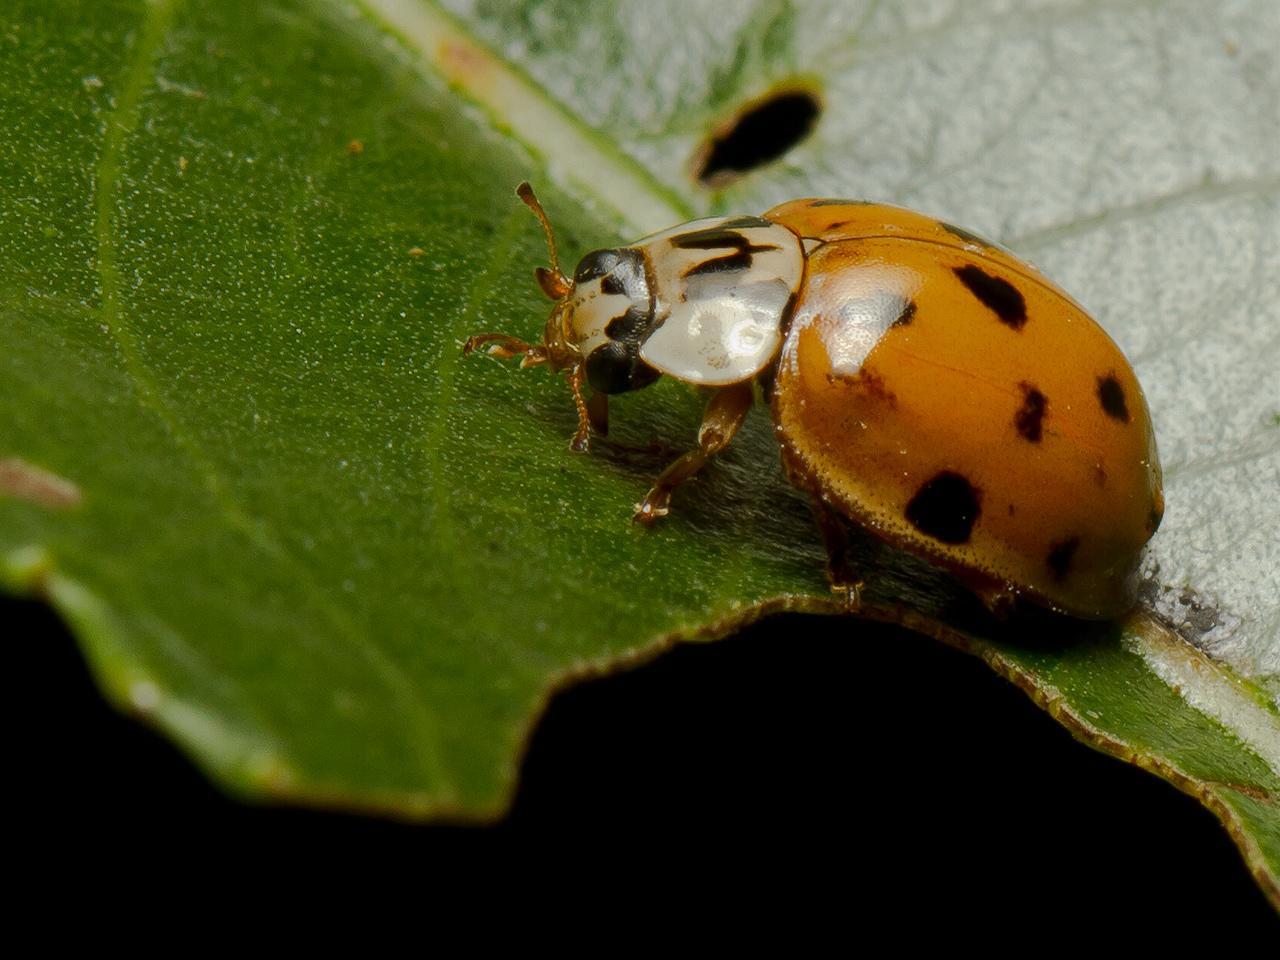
[{"x": 553, "y": 282}]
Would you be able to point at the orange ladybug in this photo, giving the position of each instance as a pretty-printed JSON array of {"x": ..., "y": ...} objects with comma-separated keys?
[{"x": 925, "y": 384}]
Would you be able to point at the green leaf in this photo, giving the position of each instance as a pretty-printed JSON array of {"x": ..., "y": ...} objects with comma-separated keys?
[{"x": 341, "y": 563}]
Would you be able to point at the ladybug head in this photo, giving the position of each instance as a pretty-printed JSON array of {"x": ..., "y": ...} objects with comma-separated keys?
[
  {"x": 606, "y": 317},
  {"x": 600, "y": 315},
  {"x": 598, "y": 320}
]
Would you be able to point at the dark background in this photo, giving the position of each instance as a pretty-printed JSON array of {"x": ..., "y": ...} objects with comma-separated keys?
[{"x": 876, "y": 772}]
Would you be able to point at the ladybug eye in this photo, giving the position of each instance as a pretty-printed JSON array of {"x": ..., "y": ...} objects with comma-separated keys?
[
  {"x": 595, "y": 265},
  {"x": 620, "y": 272}
]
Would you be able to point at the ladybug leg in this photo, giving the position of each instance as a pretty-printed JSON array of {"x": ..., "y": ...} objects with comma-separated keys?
[
  {"x": 845, "y": 582},
  {"x": 598, "y": 413},
  {"x": 581, "y": 439},
  {"x": 726, "y": 410},
  {"x": 504, "y": 347},
  {"x": 1001, "y": 600}
]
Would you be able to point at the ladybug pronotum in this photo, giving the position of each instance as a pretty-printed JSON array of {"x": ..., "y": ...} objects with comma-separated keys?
[{"x": 925, "y": 384}]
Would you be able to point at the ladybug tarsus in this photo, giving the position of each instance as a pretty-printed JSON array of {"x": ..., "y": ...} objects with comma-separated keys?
[
  {"x": 723, "y": 418},
  {"x": 849, "y": 595},
  {"x": 504, "y": 347},
  {"x": 650, "y": 509},
  {"x": 1001, "y": 601}
]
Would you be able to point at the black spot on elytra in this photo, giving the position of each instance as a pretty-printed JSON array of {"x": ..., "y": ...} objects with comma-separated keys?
[
  {"x": 967, "y": 236},
  {"x": 1030, "y": 415},
  {"x": 879, "y": 312},
  {"x": 1061, "y": 554},
  {"x": 1111, "y": 396},
  {"x": 612, "y": 285},
  {"x": 906, "y": 312},
  {"x": 997, "y": 294},
  {"x": 738, "y": 260},
  {"x": 945, "y": 508}
]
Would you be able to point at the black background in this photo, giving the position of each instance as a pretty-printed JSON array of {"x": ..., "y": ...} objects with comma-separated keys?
[{"x": 841, "y": 763}]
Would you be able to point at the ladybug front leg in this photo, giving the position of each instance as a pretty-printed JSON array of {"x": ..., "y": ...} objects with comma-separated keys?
[
  {"x": 725, "y": 413},
  {"x": 504, "y": 347}
]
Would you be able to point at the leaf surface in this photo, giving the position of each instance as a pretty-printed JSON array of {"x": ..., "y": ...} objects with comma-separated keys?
[{"x": 338, "y": 562}]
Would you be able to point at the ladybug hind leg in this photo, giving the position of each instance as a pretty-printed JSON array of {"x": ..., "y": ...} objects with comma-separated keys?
[
  {"x": 846, "y": 584},
  {"x": 725, "y": 413}
]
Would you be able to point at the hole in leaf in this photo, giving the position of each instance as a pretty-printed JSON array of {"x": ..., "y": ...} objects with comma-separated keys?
[{"x": 761, "y": 133}]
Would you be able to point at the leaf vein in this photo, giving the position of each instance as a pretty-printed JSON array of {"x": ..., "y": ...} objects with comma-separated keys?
[{"x": 1206, "y": 191}]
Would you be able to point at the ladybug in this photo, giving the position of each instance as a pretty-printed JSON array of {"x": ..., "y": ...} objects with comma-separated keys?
[{"x": 925, "y": 384}]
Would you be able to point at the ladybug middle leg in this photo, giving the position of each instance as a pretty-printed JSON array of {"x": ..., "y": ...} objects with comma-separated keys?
[{"x": 725, "y": 413}]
